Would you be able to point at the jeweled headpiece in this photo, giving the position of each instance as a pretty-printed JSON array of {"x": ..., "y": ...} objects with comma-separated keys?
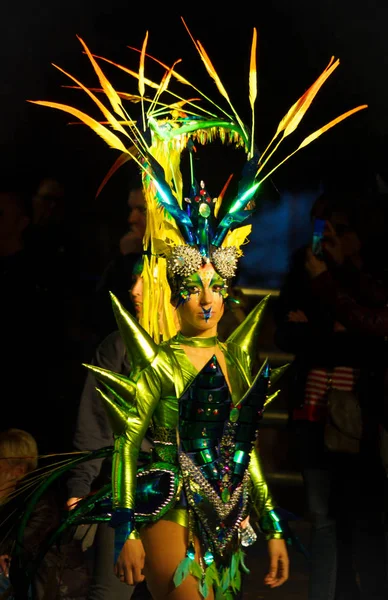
[{"x": 184, "y": 232}]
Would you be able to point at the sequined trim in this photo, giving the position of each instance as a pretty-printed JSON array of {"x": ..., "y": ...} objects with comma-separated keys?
[
  {"x": 175, "y": 486},
  {"x": 193, "y": 478},
  {"x": 164, "y": 435}
]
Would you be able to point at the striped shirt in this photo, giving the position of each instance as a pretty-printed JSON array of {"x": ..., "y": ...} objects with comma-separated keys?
[{"x": 319, "y": 382}]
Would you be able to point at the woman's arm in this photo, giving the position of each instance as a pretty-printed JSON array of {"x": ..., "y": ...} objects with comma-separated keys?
[
  {"x": 262, "y": 500},
  {"x": 129, "y": 553},
  {"x": 264, "y": 506}
]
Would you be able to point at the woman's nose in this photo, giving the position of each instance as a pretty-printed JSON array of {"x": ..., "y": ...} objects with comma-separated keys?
[{"x": 206, "y": 297}]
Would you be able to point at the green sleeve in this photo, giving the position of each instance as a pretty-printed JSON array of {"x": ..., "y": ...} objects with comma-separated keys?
[
  {"x": 127, "y": 444},
  {"x": 262, "y": 501}
]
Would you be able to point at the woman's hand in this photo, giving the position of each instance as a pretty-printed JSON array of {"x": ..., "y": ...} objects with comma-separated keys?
[
  {"x": 314, "y": 266},
  {"x": 72, "y": 502},
  {"x": 130, "y": 562},
  {"x": 279, "y": 563},
  {"x": 4, "y": 564}
]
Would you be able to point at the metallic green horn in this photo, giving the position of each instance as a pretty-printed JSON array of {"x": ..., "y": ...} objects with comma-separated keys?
[{"x": 140, "y": 346}]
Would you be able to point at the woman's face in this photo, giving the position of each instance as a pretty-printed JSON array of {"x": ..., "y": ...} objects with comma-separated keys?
[
  {"x": 202, "y": 302},
  {"x": 136, "y": 293}
]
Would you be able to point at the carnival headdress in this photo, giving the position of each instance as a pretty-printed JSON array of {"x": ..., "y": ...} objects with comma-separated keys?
[{"x": 184, "y": 232}]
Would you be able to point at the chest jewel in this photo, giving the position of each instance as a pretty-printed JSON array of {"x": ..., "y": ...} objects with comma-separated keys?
[{"x": 216, "y": 439}]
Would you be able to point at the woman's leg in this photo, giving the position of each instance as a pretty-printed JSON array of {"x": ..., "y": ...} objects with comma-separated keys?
[{"x": 165, "y": 545}]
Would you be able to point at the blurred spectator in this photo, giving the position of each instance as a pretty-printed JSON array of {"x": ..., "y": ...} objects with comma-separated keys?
[
  {"x": 48, "y": 206},
  {"x": 93, "y": 431},
  {"x": 50, "y": 236},
  {"x": 30, "y": 335},
  {"x": 362, "y": 307},
  {"x": 343, "y": 490},
  {"x": 63, "y": 572},
  {"x": 117, "y": 275}
]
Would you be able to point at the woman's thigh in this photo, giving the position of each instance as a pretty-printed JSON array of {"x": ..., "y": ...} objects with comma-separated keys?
[{"x": 165, "y": 545}]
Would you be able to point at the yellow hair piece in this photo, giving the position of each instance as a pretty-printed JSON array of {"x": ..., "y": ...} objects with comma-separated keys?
[{"x": 238, "y": 237}]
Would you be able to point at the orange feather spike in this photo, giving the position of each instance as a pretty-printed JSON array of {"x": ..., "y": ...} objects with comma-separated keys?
[
  {"x": 297, "y": 111},
  {"x": 253, "y": 70},
  {"x": 253, "y": 85},
  {"x": 122, "y": 159},
  {"x": 107, "y": 114},
  {"x": 141, "y": 66},
  {"x": 164, "y": 83},
  {"x": 162, "y": 64},
  {"x": 177, "y": 76},
  {"x": 108, "y": 136},
  {"x": 106, "y": 85},
  {"x": 305, "y": 101},
  {"x": 131, "y": 97},
  {"x": 221, "y": 196},
  {"x": 190, "y": 34},
  {"x": 141, "y": 76},
  {"x": 211, "y": 70},
  {"x": 129, "y": 71},
  {"x": 313, "y": 136}
]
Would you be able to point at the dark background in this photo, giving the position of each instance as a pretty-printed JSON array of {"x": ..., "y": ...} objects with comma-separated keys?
[{"x": 295, "y": 43}]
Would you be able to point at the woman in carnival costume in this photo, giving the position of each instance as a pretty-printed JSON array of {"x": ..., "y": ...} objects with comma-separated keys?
[{"x": 184, "y": 520}]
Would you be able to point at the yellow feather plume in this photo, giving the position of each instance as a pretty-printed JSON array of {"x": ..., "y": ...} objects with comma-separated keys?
[
  {"x": 295, "y": 116},
  {"x": 146, "y": 81},
  {"x": 107, "y": 114},
  {"x": 164, "y": 84},
  {"x": 131, "y": 97},
  {"x": 238, "y": 237},
  {"x": 141, "y": 78},
  {"x": 297, "y": 111},
  {"x": 157, "y": 316},
  {"x": 109, "y": 90},
  {"x": 253, "y": 71},
  {"x": 179, "y": 77},
  {"x": 316, "y": 134},
  {"x": 211, "y": 70},
  {"x": 253, "y": 86},
  {"x": 141, "y": 66},
  {"x": 213, "y": 74},
  {"x": 108, "y": 136}
]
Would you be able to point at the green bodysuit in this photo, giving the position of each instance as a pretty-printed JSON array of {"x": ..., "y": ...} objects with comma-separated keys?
[{"x": 205, "y": 471}]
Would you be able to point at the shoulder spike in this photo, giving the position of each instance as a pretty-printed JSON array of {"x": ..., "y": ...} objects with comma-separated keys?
[
  {"x": 278, "y": 373},
  {"x": 140, "y": 346},
  {"x": 245, "y": 335},
  {"x": 122, "y": 389},
  {"x": 117, "y": 416}
]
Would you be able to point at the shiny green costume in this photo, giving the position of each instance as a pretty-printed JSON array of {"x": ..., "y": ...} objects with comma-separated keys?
[{"x": 205, "y": 471}]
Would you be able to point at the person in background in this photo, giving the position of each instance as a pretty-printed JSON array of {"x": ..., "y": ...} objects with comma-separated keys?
[
  {"x": 347, "y": 541},
  {"x": 118, "y": 272},
  {"x": 93, "y": 431},
  {"x": 63, "y": 573},
  {"x": 26, "y": 313},
  {"x": 361, "y": 307}
]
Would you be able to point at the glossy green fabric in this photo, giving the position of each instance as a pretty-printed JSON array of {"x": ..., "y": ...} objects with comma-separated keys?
[{"x": 151, "y": 400}]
